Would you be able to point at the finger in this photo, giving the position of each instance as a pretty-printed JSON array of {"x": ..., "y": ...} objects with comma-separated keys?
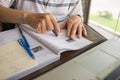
[
  {"x": 49, "y": 25},
  {"x": 84, "y": 31},
  {"x": 43, "y": 27},
  {"x": 69, "y": 28},
  {"x": 73, "y": 31},
  {"x": 63, "y": 25},
  {"x": 79, "y": 31},
  {"x": 56, "y": 25},
  {"x": 38, "y": 28}
]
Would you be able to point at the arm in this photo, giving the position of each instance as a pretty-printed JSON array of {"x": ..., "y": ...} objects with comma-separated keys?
[
  {"x": 74, "y": 24},
  {"x": 41, "y": 22},
  {"x": 12, "y": 15}
]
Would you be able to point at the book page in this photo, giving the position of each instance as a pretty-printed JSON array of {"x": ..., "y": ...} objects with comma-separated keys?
[
  {"x": 42, "y": 54},
  {"x": 14, "y": 60},
  {"x": 57, "y": 43}
]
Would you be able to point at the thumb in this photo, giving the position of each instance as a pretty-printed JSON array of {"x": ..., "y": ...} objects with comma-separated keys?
[{"x": 63, "y": 25}]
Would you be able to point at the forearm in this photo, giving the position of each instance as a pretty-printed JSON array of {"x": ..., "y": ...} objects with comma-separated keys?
[
  {"x": 8, "y": 15},
  {"x": 42, "y": 22}
]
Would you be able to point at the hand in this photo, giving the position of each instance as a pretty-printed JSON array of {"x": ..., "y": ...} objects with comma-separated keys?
[
  {"x": 43, "y": 22},
  {"x": 74, "y": 27}
]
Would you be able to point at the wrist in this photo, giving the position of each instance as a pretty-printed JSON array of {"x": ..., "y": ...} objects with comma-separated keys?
[
  {"x": 80, "y": 17},
  {"x": 25, "y": 17}
]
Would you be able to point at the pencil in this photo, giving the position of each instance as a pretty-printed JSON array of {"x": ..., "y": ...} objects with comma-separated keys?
[{"x": 54, "y": 32}]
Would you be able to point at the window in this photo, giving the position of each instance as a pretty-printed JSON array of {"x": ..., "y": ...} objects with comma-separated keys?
[{"x": 104, "y": 15}]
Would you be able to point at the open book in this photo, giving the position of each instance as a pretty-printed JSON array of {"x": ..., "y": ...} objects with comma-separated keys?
[
  {"x": 46, "y": 47},
  {"x": 57, "y": 44}
]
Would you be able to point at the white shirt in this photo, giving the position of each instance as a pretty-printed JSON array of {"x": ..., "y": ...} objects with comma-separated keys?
[{"x": 60, "y": 9}]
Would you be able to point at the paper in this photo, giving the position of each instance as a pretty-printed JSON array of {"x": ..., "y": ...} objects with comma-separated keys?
[{"x": 13, "y": 60}]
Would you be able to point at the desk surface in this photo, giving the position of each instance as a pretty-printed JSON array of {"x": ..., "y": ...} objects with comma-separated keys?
[{"x": 94, "y": 36}]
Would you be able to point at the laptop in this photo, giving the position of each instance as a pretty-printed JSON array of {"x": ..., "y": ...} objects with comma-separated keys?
[{"x": 99, "y": 63}]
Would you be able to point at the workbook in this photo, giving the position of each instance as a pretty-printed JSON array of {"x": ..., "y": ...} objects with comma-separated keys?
[
  {"x": 47, "y": 47},
  {"x": 57, "y": 44}
]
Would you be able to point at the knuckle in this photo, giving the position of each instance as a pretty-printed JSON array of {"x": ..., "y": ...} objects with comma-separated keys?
[
  {"x": 47, "y": 15},
  {"x": 75, "y": 25},
  {"x": 43, "y": 20},
  {"x": 50, "y": 28},
  {"x": 70, "y": 22}
]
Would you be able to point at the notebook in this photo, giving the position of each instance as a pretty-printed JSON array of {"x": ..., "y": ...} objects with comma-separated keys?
[
  {"x": 99, "y": 63},
  {"x": 14, "y": 60}
]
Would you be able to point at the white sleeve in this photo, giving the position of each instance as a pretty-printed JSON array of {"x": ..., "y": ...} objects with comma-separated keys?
[
  {"x": 6, "y": 3},
  {"x": 77, "y": 9}
]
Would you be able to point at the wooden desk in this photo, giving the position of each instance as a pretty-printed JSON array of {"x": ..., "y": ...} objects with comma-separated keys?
[{"x": 94, "y": 36}]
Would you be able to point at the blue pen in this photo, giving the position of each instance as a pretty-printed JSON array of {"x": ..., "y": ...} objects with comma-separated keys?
[
  {"x": 23, "y": 44},
  {"x": 24, "y": 37}
]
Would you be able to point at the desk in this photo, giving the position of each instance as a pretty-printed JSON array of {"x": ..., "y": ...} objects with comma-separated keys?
[{"x": 94, "y": 36}]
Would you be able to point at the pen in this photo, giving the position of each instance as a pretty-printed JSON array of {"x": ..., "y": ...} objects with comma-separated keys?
[
  {"x": 24, "y": 37},
  {"x": 54, "y": 32},
  {"x": 23, "y": 44}
]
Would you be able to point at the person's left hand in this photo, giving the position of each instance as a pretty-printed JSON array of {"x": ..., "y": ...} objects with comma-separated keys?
[{"x": 74, "y": 27}]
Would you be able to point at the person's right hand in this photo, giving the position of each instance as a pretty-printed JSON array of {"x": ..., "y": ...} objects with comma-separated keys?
[{"x": 42, "y": 22}]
